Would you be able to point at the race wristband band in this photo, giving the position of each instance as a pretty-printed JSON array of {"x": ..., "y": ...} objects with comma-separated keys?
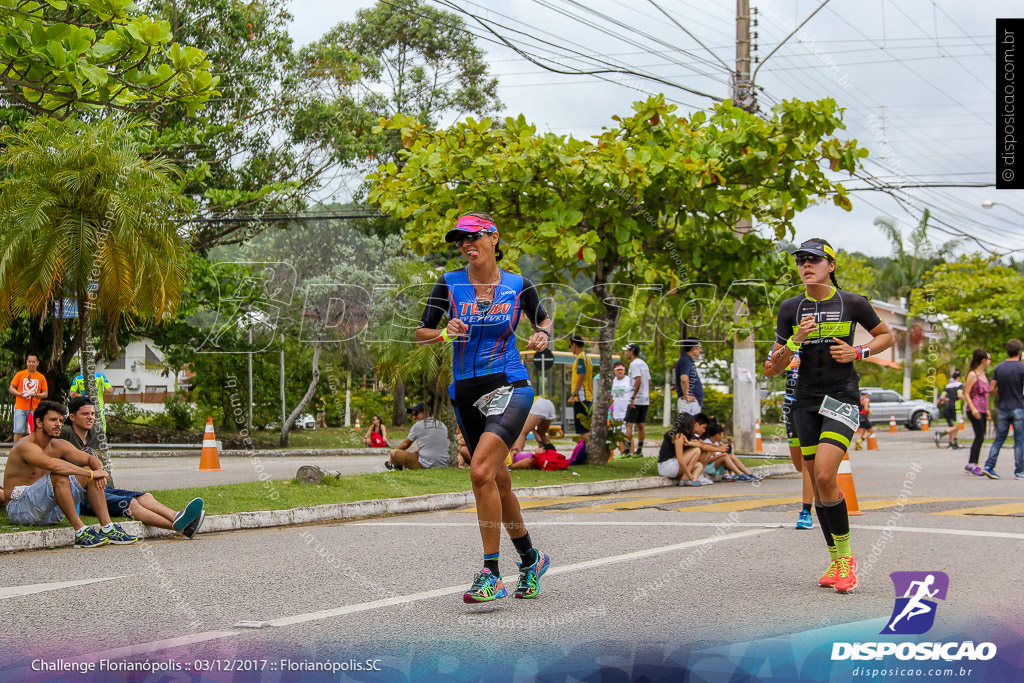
[
  {"x": 92, "y": 473},
  {"x": 792, "y": 345},
  {"x": 547, "y": 332},
  {"x": 444, "y": 335}
]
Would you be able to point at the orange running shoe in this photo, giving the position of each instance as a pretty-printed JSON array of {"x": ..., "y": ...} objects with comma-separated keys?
[
  {"x": 828, "y": 579},
  {"x": 846, "y": 579}
]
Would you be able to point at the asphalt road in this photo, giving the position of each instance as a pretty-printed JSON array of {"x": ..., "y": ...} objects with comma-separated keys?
[{"x": 664, "y": 578}]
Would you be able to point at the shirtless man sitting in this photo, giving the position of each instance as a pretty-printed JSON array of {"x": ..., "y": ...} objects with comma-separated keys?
[{"x": 47, "y": 478}]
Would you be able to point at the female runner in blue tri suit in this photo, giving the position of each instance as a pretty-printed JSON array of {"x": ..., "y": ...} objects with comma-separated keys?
[{"x": 491, "y": 390}]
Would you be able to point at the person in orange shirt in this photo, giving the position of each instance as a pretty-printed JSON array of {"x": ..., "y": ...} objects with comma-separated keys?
[{"x": 29, "y": 386}]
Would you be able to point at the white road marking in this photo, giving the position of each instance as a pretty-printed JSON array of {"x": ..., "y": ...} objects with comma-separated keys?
[
  {"x": 31, "y": 589},
  {"x": 757, "y": 525},
  {"x": 450, "y": 590}
]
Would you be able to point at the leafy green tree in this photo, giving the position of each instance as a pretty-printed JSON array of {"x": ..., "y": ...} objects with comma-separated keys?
[
  {"x": 85, "y": 218},
  {"x": 905, "y": 272},
  {"x": 405, "y": 57},
  {"x": 63, "y": 56},
  {"x": 238, "y": 158},
  {"x": 654, "y": 199},
  {"x": 981, "y": 299}
]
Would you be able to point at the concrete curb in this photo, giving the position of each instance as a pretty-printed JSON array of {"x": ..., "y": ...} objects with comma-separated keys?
[
  {"x": 432, "y": 502},
  {"x": 258, "y": 453}
]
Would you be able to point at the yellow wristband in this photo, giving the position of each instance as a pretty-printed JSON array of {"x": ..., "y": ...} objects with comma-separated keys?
[
  {"x": 91, "y": 474},
  {"x": 445, "y": 335},
  {"x": 792, "y": 345}
]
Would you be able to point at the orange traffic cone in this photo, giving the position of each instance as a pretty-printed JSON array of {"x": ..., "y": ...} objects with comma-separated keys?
[
  {"x": 845, "y": 480},
  {"x": 209, "y": 460},
  {"x": 758, "y": 446},
  {"x": 357, "y": 423},
  {"x": 924, "y": 423},
  {"x": 960, "y": 424},
  {"x": 892, "y": 424},
  {"x": 872, "y": 442}
]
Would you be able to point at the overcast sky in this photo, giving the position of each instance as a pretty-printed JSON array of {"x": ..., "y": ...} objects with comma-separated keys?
[{"x": 917, "y": 79}]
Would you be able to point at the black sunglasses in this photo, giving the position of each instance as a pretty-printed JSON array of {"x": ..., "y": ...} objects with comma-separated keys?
[
  {"x": 808, "y": 258},
  {"x": 469, "y": 237}
]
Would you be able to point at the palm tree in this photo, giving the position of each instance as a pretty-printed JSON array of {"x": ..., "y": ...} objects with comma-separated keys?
[
  {"x": 906, "y": 270},
  {"x": 86, "y": 219}
]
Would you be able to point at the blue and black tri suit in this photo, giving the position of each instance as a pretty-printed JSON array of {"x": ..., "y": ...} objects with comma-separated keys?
[{"x": 486, "y": 358}]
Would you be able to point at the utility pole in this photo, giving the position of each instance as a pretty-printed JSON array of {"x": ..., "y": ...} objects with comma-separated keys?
[{"x": 746, "y": 401}]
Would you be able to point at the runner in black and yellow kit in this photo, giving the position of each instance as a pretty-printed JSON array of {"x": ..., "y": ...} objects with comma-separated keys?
[{"x": 820, "y": 325}]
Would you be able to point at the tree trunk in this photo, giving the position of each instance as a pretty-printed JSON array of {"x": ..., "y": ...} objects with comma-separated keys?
[
  {"x": 398, "y": 404},
  {"x": 89, "y": 376},
  {"x": 306, "y": 398},
  {"x": 449, "y": 422},
  {"x": 598, "y": 451}
]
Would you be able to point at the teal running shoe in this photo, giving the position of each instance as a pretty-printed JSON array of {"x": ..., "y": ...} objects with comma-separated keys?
[
  {"x": 486, "y": 587},
  {"x": 805, "y": 521},
  {"x": 529, "y": 577}
]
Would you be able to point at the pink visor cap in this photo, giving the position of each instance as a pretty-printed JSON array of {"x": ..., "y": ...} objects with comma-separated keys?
[{"x": 469, "y": 224}]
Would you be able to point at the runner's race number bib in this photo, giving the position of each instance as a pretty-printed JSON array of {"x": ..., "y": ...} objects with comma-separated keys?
[
  {"x": 494, "y": 402},
  {"x": 839, "y": 411}
]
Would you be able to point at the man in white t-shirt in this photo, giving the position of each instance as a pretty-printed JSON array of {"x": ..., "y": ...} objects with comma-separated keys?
[
  {"x": 620, "y": 401},
  {"x": 639, "y": 397},
  {"x": 431, "y": 437}
]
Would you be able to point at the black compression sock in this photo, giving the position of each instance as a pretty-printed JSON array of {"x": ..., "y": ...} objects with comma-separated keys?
[
  {"x": 491, "y": 563},
  {"x": 807, "y": 507},
  {"x": 524, "y": 546},
  {"x": 838, "y": 517},
  {"x": 823, "y": 523}
]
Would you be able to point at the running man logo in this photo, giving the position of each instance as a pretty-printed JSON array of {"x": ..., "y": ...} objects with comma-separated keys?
[{"x": 914, "y": 611}]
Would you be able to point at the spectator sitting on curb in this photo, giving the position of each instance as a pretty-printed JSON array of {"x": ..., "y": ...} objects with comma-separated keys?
[
  {"x": 725, "y": 464},
  {"x": 679, "y": 454},
  {"x": 432, "y": 438},
  {"x": 143, "y": 507},
  {"x": 47, "y": 478}
]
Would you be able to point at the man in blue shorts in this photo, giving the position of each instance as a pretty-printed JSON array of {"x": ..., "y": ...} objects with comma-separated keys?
[{"x": 143, "y": 507}]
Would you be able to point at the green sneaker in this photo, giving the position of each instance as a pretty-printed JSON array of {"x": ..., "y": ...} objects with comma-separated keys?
[
  {"x": 117, "y": 536},
  {"x": 90, "y": 539},
  {"x": 529, "y": 577}
]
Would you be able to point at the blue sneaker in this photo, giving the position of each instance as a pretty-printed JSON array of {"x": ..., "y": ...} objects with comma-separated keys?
[
  {"x": 805, "y": 521},
  {"x": 90, "y": 539},
  {"x": 486, "y": 587},
  {"x": 1019, "y": 475},
  {"x": 990, "y": 473},
  {"x": 529, "y": 577},
  {"x": 117, "y": 536}
]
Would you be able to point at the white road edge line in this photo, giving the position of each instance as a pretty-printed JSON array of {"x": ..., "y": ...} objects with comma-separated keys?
[
  {"x": 31, "y": 589},
  {"x": 438, "y": 592}
]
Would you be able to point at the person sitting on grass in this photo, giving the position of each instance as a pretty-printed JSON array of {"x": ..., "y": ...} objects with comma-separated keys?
[
  {"x": 679, "y": 454},
  {"x": 432, "y": 438},
  {"x": 538, "y": 421},
  {"x": 376, "y": 436},
  {"x": 725, "y": 463},
  {"x": 80, "y": 432},
  {"x": 47, "y": 478}
]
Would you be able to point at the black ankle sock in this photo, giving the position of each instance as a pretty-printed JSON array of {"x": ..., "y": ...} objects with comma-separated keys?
[
  {"x": 524, "y": 546},
  {"x": 807, "y": 507},
  {"x": 838, "y": 517},
  {"x": 823, "y": 523},
  {"x": 491, "y": 563}
]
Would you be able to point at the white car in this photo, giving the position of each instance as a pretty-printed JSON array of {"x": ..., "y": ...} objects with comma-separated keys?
[{"x": 305, "y": 421}]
